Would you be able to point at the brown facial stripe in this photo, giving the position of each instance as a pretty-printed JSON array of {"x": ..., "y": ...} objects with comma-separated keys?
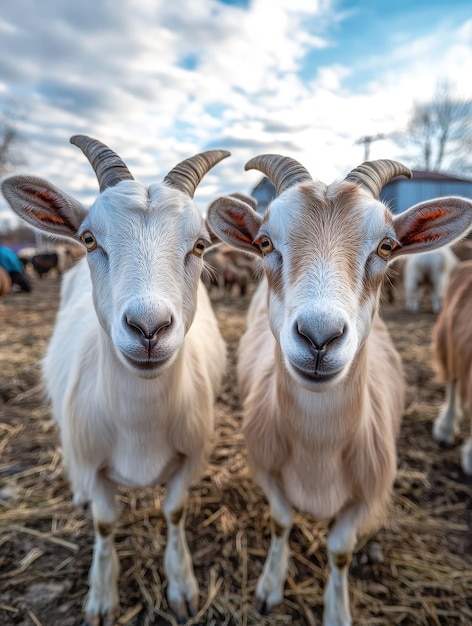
[{"x": 318, "y": 230}]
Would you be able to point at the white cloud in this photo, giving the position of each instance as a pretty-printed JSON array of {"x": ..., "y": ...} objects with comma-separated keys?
[{"x": 160, "y": 81}]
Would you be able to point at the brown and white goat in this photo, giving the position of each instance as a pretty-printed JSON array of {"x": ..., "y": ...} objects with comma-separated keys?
[
  {"x": 452, "y": 349},
  {"x": 463, "y": 250},
  {"x": 136, "y": 356},
  {"x": 5, "y": 282},
  {"x": 320, "y": 380}
]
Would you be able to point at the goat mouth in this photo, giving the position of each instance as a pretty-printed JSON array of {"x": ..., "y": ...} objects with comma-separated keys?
[
  {"x": 145, "y": 366},
  {"x": 315, "y": 378}
]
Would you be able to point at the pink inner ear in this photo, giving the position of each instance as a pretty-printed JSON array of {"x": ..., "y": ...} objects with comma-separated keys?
[
  {"x": 50, "y": 212},
  {"x": 46, "y": 216},
  {"x": 241, "y": 232},
  {"x": 421, "y": 229},
  {"x": 53, "y": 220},
  {"x": 239, "y": 235}
]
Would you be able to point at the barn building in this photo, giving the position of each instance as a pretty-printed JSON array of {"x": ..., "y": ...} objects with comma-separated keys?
[
  {"x": 264, "y": 193},
  {"x": 400, "y": 193}
]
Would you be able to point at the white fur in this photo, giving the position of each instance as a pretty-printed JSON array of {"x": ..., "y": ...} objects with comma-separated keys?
[
  {"x": 130, "y": 414},
  {"x": 428, "y": 268}
]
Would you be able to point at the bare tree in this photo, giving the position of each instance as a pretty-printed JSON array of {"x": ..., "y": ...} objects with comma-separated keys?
[
  {"x": 10, "y": 140},
  {"x": 440, "y": 133}
]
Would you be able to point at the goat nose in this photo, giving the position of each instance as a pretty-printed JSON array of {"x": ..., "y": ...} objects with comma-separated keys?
[
  {"x": 147, "y": 332},
  {"x": 320, "y": 337}
]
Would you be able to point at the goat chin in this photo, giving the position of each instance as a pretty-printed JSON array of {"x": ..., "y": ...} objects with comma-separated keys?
[{"x": 315, "y": 381}]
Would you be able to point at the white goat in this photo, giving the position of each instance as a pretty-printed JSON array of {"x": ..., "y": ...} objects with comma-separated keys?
[
  {"x": 136, "y": 355},
  {"x": 452, "y": 349},
  {"x": 430, "y": 269},
  {"x": 320, "y": 379}
]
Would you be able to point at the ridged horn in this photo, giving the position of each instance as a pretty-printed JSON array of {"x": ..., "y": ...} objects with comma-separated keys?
[
  {"x": 283, "y": 171},
  {"x": 186, "y": 175},
  {"x": 374, "y": 175},
  {"x": 108, "y": 166}
]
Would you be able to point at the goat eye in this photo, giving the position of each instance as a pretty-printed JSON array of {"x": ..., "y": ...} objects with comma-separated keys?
[
  {"x": 199, "y": 247},
  {"x": 266, "y": 245},
  {"x": 89, "y": 240},
  {"x": 386, "y": 247}
]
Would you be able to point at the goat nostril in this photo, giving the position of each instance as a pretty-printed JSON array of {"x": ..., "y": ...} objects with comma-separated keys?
[
  {"x": 148, "y": 333},
  {"x": 339, "y": 333},
  {"x": 320, "y": 339},
  {"x": 163, "y": 324}
]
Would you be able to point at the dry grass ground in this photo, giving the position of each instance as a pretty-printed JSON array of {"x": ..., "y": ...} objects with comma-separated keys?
[{"x": 416, "y": 570}]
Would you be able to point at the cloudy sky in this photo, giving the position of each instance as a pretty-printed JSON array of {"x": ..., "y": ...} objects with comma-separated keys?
[{"x": 161, "y": 80}]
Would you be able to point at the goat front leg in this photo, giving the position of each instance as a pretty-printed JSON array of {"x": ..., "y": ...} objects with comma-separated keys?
[
  {"x": 101, "y": 608},
  {"x": 446, "y": 425},
  {"x": 341, "y": 543},
  {"x": 412, "y": 293},
  {"x": 466, "y": 452},
  {"x": 270, "y": 586},
  {"x": 182, "y": 586},
  {"x": 437, "y": 292}
]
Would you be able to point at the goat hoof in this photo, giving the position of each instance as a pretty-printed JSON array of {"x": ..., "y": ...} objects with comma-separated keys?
[
  {"x": 184, "y": 610},
  {"x": 467, "y": 477},
  {"x": 262, "y": 607},
  {"x": 100, "y": 620},
  {"x": 445, "y": 445}
]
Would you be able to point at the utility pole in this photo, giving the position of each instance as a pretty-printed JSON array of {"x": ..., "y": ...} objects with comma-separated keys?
[{"x": 367, "y": 140}]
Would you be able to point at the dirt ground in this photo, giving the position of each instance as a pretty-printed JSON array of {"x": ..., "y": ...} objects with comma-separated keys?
[{"x": 417, "y": 569}]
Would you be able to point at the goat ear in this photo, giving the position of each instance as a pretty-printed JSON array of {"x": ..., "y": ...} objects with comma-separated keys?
[
  {"x": 432, "y": 224},
  {"x": 43, "y": 205},
  {"x": 245, "y": 198},
  {"x": 236, "y": 222}
]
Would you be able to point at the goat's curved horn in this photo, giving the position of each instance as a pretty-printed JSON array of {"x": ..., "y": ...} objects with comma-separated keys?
[
  {"x": 186, "y": 175},
  {"x": 283, "y": 171},
  {"x": 373, "y": 175},
  {"x": 107, "y": 165}
]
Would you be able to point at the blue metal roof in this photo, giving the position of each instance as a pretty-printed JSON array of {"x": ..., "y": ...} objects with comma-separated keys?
[{"x": 401, "y": 193}]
